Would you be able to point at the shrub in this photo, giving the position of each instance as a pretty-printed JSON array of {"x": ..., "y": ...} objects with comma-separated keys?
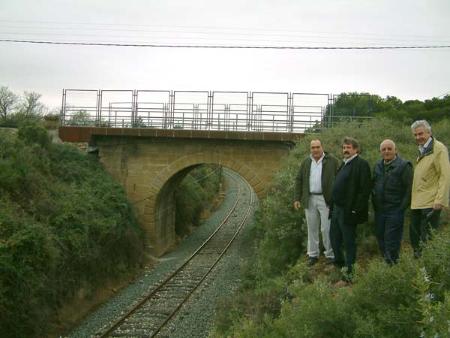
[
  {"x": 64, "y": 224},
  {"x": 316, "y": 311},
  {"x": 32, "y": 133},
  {"x": 194, "y": 195},
  {"x": 436, "y": 259},
  {"x": 384, "y": 301}
]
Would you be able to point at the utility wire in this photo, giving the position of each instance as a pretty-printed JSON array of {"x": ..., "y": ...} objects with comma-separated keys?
[
  {"x": 212, "y": 29},
  {"x": 107, "y": 44},
  {"x": 182, "y": 38}
]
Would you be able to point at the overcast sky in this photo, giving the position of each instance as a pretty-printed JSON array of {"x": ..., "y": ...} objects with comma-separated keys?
[{"x": 405, "y": 73}]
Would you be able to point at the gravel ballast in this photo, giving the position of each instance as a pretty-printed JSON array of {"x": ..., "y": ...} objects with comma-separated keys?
[{"x": 195, "y": 318}]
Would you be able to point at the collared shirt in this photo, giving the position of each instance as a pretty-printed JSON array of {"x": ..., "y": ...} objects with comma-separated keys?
[
  {"x": 389, "y": 162},
  {"x": 315, "y": 175},
  {"x": 387, "y": 166},
  {"x": 349, "y": 159},
  {"x": 425, "y": 146}
]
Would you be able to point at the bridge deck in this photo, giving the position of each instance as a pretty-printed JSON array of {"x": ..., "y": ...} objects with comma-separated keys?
[{"x": 84, "y": 134}]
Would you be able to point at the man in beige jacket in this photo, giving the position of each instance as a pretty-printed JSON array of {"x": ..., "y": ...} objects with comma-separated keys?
[{"x": 431, "y": 185}]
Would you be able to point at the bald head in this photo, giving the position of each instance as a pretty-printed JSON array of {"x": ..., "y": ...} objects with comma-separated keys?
[
  {"x": 316, "y": 149},
  {"x": 388, "y": 150}
]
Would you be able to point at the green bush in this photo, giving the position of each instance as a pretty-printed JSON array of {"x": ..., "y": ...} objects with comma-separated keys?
[
  {"x": 281, "y": 230},
  {"x": 33, "y": 133},
  {"x": 436, "y": 259},
  {"x": 64, "y": 224},
  {"x": 194, "y": 195},
  {"x": 384, "y": 301},
  {"x": 316, "y": 311}
]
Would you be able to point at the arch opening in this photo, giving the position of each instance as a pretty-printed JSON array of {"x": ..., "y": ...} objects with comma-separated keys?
[{"x": 186, "y": 199}]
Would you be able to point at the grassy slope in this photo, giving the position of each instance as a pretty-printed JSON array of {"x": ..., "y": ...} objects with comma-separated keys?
[
  {"x": 64, "y": 225},
  {"x": 281, "y": 297}
]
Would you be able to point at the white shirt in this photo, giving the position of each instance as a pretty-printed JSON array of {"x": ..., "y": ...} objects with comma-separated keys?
[
  {"x": 349, "y": 159},
  {"x": 315, "y": 175}
]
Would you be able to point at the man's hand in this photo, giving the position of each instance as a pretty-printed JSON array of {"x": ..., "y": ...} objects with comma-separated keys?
[
  {"x": 437, "y": 206},
  {"x": 297, "y": 205}
]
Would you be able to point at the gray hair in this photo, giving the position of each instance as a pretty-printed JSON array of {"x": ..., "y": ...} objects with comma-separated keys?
[
  {"x": 388, "y": 141},
  {"x": 421, "y": 123}
]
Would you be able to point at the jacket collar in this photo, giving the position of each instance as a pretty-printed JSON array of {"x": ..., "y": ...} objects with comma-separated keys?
[
  {"x": 346, "y": 161},
  {"x": 320, "y": 159},
  {"x": 428, "y": 150}
]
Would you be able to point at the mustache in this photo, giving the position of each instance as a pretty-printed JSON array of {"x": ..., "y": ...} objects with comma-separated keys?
[{"x": 346, "y": 153}]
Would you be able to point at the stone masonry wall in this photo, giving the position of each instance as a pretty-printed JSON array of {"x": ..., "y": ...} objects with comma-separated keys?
[{"x": 150, "y": 168}]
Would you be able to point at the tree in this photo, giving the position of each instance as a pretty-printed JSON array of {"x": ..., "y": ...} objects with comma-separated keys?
[
  {"x": 357, "y": 104},
  {"x": 7, "y": 101},
  {"x": 80, "y": 118},
  {"x": 30, "y": 105}
]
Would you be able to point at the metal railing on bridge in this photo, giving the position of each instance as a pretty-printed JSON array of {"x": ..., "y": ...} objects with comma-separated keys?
[{"x": 198, "y": 110}]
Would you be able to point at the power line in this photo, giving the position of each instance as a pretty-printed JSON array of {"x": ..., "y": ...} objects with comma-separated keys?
[
  {"x": 108, "y": 44},
  {"x": 253, "y": 36},
  {"x": 236, "y": 37},
  {"x": 180, "y": 28}
]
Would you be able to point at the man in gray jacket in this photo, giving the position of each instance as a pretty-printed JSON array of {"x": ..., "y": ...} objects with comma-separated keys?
[{"x": 313, "y": 189}]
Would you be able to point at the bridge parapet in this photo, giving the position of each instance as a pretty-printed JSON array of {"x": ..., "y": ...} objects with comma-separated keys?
[{"x": 86, "y": 134}]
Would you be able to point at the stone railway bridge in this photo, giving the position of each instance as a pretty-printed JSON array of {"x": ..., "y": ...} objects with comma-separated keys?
[{"x": 150, "y": 163}]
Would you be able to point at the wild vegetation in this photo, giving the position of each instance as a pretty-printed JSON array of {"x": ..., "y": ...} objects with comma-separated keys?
[
  {"x": 195, "y": 195},
  {"x": 370, "y": 105},
  {"x": 281, "y": 297},
  {"x": 16, "y": 109},
  {"x": 65, "y": 225}
]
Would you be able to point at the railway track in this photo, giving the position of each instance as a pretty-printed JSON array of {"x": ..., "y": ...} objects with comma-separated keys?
[{"x": 149, "y": 316}]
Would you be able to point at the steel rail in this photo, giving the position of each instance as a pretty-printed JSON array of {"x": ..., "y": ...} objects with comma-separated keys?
[
  {"x": 247, "y": 213},
  {"x": 118, "y": 322}
]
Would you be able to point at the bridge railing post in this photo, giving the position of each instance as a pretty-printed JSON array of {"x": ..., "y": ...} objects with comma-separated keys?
[
  {"x": 134, "y": 108},
  {"x": 209, "y": 110},
  {"x": 171, "y": 115},
  {"x": 249, "y": 110},
  {"x": 98, "y": 108},
  {"x": 290, "y": 110},
  {"x": 62, "y": 116}
]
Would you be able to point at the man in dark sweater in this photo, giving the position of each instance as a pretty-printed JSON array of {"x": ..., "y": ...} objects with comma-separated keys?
[
  {"x": 350, "y": 205},
  {"x": 391, "y": 195}
]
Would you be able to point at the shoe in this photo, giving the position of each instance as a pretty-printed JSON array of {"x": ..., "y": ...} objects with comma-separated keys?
[
  {"x": 338, "y": 264},
  {"x": 347, "y": 276},
  {"x": 329, "y": 261},
  {"x": 312, "y": 261}
]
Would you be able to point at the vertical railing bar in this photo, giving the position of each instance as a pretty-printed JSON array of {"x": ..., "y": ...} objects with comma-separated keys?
[
  {"x": 99, "y": 108},
  {"x": 62, "y": 115}
]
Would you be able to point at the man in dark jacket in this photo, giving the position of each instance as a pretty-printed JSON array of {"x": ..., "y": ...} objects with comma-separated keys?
[
  {"x": 350, "y": 198},
  {"x": 313, "y": 191},
  {"x": 391, "y": 195}
]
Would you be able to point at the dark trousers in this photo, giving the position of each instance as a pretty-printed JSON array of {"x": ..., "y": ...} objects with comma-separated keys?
[
  {"x": 343, "y": 233},
  {"x": 389, "y": 231},
  {"x": 422, "y": 221}
]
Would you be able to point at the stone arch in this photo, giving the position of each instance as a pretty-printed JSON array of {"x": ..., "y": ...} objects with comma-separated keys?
[
  {"x": 145, "y": 167},
  {"x": 159, "y": 222}
]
